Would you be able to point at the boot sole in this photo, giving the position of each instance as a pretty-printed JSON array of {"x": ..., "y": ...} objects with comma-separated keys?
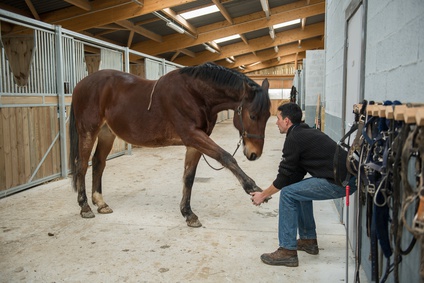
[
  {"x": 294, "y": 262},
  {"x": 309, "y": 251}
]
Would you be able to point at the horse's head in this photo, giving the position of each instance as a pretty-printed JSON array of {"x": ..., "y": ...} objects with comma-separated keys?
[{"x": 250, "y": 118}]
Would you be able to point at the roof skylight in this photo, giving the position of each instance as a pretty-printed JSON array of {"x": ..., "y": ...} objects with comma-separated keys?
[
  {"x": 227, "y": 38},
  {"x": 200, "y": 12},
  {"x": 289, "y": 23}
]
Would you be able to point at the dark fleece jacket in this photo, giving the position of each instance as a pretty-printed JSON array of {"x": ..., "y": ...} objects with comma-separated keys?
[{"x": 306, "y": 150}]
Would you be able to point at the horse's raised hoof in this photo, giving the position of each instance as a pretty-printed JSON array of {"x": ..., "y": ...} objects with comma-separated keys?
[{"x": 104, "y": 209}]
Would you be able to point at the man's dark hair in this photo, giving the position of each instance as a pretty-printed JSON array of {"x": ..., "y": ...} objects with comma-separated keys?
[{"x": 292, "y": 111}]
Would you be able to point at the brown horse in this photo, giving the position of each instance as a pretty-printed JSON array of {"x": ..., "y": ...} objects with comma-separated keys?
[{"x": 178, "y": 109}]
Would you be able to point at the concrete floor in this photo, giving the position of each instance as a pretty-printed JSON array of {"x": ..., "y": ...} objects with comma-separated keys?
[{"x": 44, "y": 239}]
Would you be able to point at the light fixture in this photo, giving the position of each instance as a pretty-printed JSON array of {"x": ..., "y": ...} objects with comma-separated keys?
[
  {"x": 254, "y": 64},
  {"x": 208, "y": 48},
  {"x": 175, "y": 27},
  {"x": 276, "y": 49},
  {"x": 242, "y": 67},
  {"x": 271, "y": 33},
  {"x": 229, "y": 60}
]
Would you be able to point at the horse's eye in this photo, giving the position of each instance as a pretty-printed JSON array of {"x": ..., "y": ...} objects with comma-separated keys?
[{"x": 252, "y": 117}]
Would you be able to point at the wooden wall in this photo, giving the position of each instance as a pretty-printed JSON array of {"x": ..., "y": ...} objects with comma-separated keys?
[{"x": 26, "y": 134}]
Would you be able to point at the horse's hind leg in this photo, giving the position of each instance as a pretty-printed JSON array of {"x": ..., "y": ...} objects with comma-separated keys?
[
  {"x": 85, "y": 146},
  {"x": 190, "y": 165},
  {"x": 104, "y": 146}
]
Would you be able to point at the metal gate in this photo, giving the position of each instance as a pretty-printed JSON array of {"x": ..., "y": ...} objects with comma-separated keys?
[{"x": 40, "y": 65}]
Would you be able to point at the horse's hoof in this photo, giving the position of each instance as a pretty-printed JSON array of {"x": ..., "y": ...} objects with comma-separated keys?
[
  {"x": 104, "y": 210},
  {"x": 195, "y": 223},
  {"x": 87, "y": 214}
]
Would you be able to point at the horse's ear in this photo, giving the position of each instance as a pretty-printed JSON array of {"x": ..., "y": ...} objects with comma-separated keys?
[{"x": 265, "y": 85}]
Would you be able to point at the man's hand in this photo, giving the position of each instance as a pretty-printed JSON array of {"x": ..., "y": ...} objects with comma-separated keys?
[{"x": 258, "y": 198}]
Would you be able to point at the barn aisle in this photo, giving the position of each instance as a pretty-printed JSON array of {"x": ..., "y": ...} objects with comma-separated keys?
[{"x": 44, "y": 239}]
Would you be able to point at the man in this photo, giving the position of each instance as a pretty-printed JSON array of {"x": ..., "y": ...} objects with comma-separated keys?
[{"x": 306, "y": 150}]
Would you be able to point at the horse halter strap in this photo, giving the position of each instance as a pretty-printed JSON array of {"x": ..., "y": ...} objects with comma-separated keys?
[{"x": 244, "y": 133}]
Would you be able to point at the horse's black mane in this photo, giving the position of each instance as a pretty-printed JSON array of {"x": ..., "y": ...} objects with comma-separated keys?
[{"x": 229, "y": 78}]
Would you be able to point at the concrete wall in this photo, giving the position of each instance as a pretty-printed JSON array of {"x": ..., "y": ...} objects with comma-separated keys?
[
  {"x": 395, "y": 51},
  {"x": 394, "y": 69},
  {"x": 314, "y": 83}
]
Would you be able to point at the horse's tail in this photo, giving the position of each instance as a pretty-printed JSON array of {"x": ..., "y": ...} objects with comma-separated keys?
[{"x": 73, "y": 152}]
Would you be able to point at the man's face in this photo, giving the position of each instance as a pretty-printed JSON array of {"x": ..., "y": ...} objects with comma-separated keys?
[{"x": 282, "y": 123}]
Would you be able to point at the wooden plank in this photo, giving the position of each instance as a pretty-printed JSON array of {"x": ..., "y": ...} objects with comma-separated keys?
[
  {"x": 20, "y": 146},
  {"x": 398, "y": 112},
  {"x": 382, "y": 111},
  {"x": 6, "y": 100},
  {"x": 26, "y": 143},
  {"x": 419, "y": 116},
  {"x": 409, "y": 115},
  {"x": 2, "y": 152},
  {"x": 7, "y": 149},
  {"x": 13, "y": 146},
  {"x": 389, "y": 112},
  {"x": 56, "y": 147}
]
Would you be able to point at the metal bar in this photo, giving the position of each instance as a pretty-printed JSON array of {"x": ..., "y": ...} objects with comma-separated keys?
[{"x": 60, "y": 93}]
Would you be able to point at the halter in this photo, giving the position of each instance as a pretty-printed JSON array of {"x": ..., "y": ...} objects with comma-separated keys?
[{"x": 244, "y": 133}]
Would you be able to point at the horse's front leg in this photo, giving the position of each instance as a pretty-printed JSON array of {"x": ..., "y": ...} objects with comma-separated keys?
[
  {"x": 104, "y": 146},
  {"x": 190, "y": 165}
]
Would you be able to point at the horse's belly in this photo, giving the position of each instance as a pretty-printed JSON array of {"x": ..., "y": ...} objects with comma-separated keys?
[{"x": 148, "y": 135}]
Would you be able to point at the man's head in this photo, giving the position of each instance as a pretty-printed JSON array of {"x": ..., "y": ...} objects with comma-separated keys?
[{"x": 288, "y": 114}]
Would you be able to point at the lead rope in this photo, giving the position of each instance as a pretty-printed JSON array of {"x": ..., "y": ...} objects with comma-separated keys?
[
  {"x": 151, "y": 94},
  {"x": 217, "y": 169}
]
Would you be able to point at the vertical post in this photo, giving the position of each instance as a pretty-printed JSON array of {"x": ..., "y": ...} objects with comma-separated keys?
[
  {"x": 347, "y": 232},
  {"x": 127, "y": 69},
  {"x": 61, "y": 102}
]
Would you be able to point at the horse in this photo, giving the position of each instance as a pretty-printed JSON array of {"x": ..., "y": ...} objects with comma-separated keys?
[{"x": 180, "y": 108}]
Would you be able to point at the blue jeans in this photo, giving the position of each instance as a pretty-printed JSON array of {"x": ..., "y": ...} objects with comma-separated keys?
[{"x": 296, "y": 210}]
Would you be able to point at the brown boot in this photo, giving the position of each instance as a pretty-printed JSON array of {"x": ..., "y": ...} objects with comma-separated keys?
[
  {"x": 281, "y": 256},
  {"x": 308, "y": 245}
]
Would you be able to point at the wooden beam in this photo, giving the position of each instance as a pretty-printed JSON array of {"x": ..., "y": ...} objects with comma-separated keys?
[
  {"x": 274, "y": 63},
  {"x": 32, "y": 9},
  {"x": 106, "y": 12},
  {"x": 130, "y": 38},
  {"x": 170, "y": 13},
  {"x": 223, "y": 11},
  {"x": 241, "y": 25},
  {"x": 140, "y": 30},
  {"x": 260, "y": 43},
  {"x": 83, "y": 4},
  {"x": 270, "y": 54}
]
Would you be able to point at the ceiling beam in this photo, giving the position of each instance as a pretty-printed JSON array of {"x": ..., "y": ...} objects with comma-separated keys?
[
  {"x": 269, "y": 54},
  {"x": 32, "y": 9},
  {"x": 83, "y": 4},
  {"x": 223, "y": 11},
  {"x": 140, "y": 30},
  {"x": 261, "y": 43},
  {"x": 106, "y": 12},
  {"x": 171, "y": 14},
  {"x": 242, "y": 24},
  {"x": 274, "y": 63}
]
